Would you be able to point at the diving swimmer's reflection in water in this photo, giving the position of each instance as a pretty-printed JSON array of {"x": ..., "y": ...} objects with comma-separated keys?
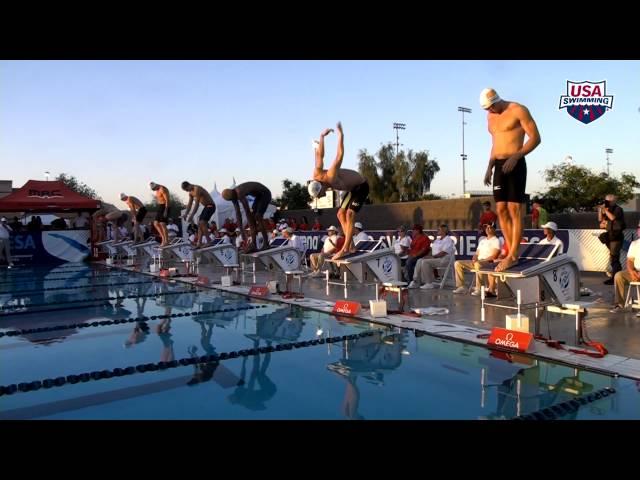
[
  {"x": 163, "y": 329},
  {"x": 278, "y": 326},
  {"x": 203, "y": 372},
  {"x": 366, "y": 357},
  {"x": 254, "y": 394},
  {"x": 138, "y": 335},
  {"x": 141, "y": 331}
]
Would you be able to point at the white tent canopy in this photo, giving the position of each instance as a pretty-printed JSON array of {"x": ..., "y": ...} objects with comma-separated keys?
[{"x": 224, "y": 209}]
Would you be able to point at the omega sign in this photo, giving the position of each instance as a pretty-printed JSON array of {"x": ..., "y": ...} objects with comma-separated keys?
[
  {"x": 45, "y": 193},
  {"x": 508, "y": 341},
  {"x": 521, "y": 341}
]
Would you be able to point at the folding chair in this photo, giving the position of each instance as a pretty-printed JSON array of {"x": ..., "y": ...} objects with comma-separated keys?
[{"x": 448, "y": 269}]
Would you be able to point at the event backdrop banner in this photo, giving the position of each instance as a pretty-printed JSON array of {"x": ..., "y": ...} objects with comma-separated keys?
[
  {"x": 55, "y": 246},
  {"x": 583, "y": 245}
]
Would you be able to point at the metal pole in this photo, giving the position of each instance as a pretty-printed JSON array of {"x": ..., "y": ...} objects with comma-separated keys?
[
  {"x": 397, "y": 127},
  {"x": 464, "y": 156},
  {"x": 464, "y": 178}
]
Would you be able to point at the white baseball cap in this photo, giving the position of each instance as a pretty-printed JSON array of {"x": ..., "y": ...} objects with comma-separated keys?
[
  {"x": 332, "y": 228},
  {"x": 358, "y": 225},
  {"x": 488, "y": 97},
  {"x": 551, "y": 225}
]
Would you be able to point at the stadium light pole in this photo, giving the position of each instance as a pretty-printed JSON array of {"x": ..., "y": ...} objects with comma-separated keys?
[
  {"x": 398, "y": 126},
  {"x": 463, "y": 155},
  {"x": 608, "y": 151}
]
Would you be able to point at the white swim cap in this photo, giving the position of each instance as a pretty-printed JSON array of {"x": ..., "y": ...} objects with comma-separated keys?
[
  {"x": 488, "y": 97},
  {"x": 314, "y": 188}
]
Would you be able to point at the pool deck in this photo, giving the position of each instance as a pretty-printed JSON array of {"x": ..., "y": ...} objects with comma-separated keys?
[{"x": 619, "y": 332}]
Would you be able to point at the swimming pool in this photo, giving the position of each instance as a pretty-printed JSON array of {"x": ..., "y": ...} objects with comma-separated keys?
[{"x": 212, "y": 355}]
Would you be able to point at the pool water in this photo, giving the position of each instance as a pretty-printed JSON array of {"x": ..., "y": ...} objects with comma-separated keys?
[{"x": 293, "y": 363}]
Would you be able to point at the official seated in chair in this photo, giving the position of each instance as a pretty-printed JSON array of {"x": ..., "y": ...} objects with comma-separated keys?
[
  {"x": 443, "y": 249},
  {"x": 550, "y": 229},
  {"x": 631, "y": 274},
  {"x": 294, "y": 240},
  {"x": 329, "y": 248},
  {"x": 420, "y": 246},
  {"x": 402, "y": 245},
  {"x": 487, "y": 251},
  {"x": 359, "y": 234},
  {"x": 224, "y": 235}
]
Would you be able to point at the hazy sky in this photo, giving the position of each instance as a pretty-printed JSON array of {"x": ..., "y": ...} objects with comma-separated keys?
[{"x": 116, "y": 125}]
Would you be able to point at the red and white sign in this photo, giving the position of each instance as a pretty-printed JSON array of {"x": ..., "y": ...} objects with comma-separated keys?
[
  {"x": 344, "y": 307},
  {"x": 259, "y": 291},
  {"x": 520, "y": 341}
]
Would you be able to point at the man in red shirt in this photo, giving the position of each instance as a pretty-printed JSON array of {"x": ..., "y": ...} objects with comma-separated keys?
[
  {"x": 488, "y": 216},
  {"x": 420, "y": 246},
  {"x": 317, "y": 225},
  {"x": 304, "y": 225}
]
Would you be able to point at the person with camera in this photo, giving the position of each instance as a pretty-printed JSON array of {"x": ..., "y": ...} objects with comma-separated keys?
[{"x": 611, "y": 218}]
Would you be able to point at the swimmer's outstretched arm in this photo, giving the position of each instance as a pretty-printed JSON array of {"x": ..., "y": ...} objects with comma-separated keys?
[
  {"x": 319, "y": 173},
  {"x": 337, "y": 163}
]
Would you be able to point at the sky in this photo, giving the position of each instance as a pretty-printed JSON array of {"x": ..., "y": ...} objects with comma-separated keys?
[{"x": 117, "y": 125}]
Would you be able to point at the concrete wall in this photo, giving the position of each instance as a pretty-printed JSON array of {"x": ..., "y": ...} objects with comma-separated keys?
[{"x": 458, "y": 213}]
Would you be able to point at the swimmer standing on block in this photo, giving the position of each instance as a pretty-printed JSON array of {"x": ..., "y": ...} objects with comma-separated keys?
[{"x": 508, "y": 123}]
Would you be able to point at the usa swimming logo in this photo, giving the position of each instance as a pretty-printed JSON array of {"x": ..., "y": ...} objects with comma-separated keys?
[{"x": 586, "y": 101}]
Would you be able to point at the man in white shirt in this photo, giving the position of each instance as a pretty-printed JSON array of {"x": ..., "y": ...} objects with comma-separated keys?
[
  {"x": 224, "y": 235},
  {"x": 550, "y": 229},
  {"x": 172, "y": 229},
  {"x": 487, "y": 251},
  {"x": 328, "y": 249},
  {"x": 5, "y": 235},
  {"x": 294, "y": 240},
  {"x": 402, "y": 244},
  {"x": 630, "y": 274},
  {"x": 442, "y": 249},
  {"x": 360, "y": 235}
]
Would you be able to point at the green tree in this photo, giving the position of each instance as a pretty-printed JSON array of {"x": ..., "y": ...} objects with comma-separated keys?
[
  {"x": 295, "y": 196},
  {"x": 397, "y": 178},
  {"x": 577, "y": 188},
  {"x": 77, "y": 186},
  {"x": 423, "y": 172}
]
